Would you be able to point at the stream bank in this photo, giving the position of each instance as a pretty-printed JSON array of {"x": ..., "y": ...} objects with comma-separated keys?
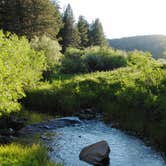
[{"x": 65, "y": 137}]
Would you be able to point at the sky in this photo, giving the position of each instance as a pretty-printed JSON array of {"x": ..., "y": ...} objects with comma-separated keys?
[{"x": 123, "y": 18}]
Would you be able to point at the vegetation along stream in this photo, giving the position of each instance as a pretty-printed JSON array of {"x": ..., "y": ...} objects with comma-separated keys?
[
  {"x": 66, "y": 143},
  {"x": 60, "y": 67}
]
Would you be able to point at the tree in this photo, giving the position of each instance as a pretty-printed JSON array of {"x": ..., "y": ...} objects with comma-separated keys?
[
  {"x": 20, "y": 68},
  {"x": 97, "y": 37},
  {"x": 30, "y": 17},
  {"x": 7, "y": 15},
  {"x": 51, "y": 49},
  {"x": 83, "y": 28},
  {"x": 69, "y": 33},
  {"x": 76, "y": 40}
]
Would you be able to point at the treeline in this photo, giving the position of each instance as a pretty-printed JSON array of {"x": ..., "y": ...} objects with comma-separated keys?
[
  {"x": 81, "y": 34},
  {"x": 37, "y": 17},
  {"x": 155, "y": 44}
]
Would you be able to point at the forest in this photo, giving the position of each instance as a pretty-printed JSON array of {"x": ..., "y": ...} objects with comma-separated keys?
[{"x": 52, "y": 64}]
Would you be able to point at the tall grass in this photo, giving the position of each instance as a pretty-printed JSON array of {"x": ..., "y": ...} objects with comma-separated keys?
[{"x": 18, "y": 155}]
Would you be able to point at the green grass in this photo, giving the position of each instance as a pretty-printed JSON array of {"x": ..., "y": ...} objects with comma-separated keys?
[
  {"x": 18, "y": 155},
  {"x": 32, "y": 117}
]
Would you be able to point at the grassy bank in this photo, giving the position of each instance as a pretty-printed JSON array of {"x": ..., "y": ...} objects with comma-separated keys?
[
  {"x": 18, "y": 155},
  {"x": 22, "y": 152}
]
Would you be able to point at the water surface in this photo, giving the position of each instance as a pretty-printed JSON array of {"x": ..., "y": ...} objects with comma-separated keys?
[{"x": 125, "y": 150}]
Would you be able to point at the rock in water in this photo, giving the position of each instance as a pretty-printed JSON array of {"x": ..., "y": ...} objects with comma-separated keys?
[{"x": 96, "y": 154}]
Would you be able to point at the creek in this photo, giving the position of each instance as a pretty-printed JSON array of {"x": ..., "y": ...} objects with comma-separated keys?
[{"x": 67, "y": 142}]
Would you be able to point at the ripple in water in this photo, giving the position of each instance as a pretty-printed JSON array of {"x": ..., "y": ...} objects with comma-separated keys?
[{"x": 125, "y": 150}]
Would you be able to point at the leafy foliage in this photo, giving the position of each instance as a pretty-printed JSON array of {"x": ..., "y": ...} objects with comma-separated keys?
[
  {"x": 103, "y": 59},
  {"x": 72, "y": 62},
  {"x": 92, "y": 59},
  {"x": 20, "y": 68},
  {"x": 50, "y": 47}
]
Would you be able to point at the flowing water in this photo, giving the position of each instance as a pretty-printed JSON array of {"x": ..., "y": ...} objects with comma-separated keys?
[{"x": 125, "y": 150}]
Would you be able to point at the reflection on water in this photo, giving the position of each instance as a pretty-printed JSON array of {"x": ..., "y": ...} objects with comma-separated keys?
[{"x": 125, "y": 150}]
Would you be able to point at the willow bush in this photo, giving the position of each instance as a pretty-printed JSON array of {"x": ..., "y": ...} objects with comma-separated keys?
[
  {"x": 51, "y": 49},
  {"x": 92, "y": 59},
  {"x": 20, "y": 68}
]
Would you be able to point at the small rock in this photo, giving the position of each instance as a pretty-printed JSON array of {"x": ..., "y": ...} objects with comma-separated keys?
[
  {"x": 10, "y": 129},
  {"x": 45, "y": 138},
  {"x": 50, "y": 149},
  {"x": 7, "y": 132},
  {"x": 96, "y": 154},
  {"x": 46, "y": 127},
  {"x": 86, "y": 113}
]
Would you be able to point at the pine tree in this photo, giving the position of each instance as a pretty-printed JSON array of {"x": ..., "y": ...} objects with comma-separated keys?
[
  {"x": 96, "y": 34},
  {"x": 76, "y": 40},
  {"x": 69, "y": 33},
  {"x": 83, "y": 28},
  {"x": 30, "y": 17},
  {"x": 8, "y": 15}
]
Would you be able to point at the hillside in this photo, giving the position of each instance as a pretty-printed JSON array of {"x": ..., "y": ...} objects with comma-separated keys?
[{"x": 156, "y": 44}]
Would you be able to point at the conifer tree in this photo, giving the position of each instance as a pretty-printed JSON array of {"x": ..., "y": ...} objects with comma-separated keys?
[
  {"x": 76, "y": 40},
  {"x": 69, "y": 33},
  {"x": 8, "y": 15},
  {"x": 96, "y": 34},
  {"x": 30, "y": 17},
  {"x": 83, "y": 28}
]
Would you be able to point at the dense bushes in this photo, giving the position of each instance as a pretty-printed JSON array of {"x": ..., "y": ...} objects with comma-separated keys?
[
  {"x": 136, "y": 86},
  {"x": 103, "y": 59},
  {"x": 126, "y": 86},
  {"x": 92, "y": 59},
  {"x": 133, "y": 96},
  {"x": 20, "y": 67},
  {"x": 17, "y": 155},
  {"x": 72, "y": 62},
  {"x": 51, "y": 49}
]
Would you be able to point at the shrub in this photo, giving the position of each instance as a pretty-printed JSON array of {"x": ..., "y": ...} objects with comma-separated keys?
[
  {"x": 72, "y": 62},
  {"x": 92, "y": 59},
  {"x": 20, "y": 67},
  {"x": 103, "y": 59},
  {"x": 141, "y": 59},
  {"x": 51, "y": 49}
]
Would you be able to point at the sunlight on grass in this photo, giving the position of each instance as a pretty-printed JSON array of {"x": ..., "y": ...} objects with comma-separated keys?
[{"x": 18, "y": 155}]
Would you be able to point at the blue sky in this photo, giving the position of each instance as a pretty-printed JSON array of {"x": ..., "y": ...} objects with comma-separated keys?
[{"x": 122, "y": 18}]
